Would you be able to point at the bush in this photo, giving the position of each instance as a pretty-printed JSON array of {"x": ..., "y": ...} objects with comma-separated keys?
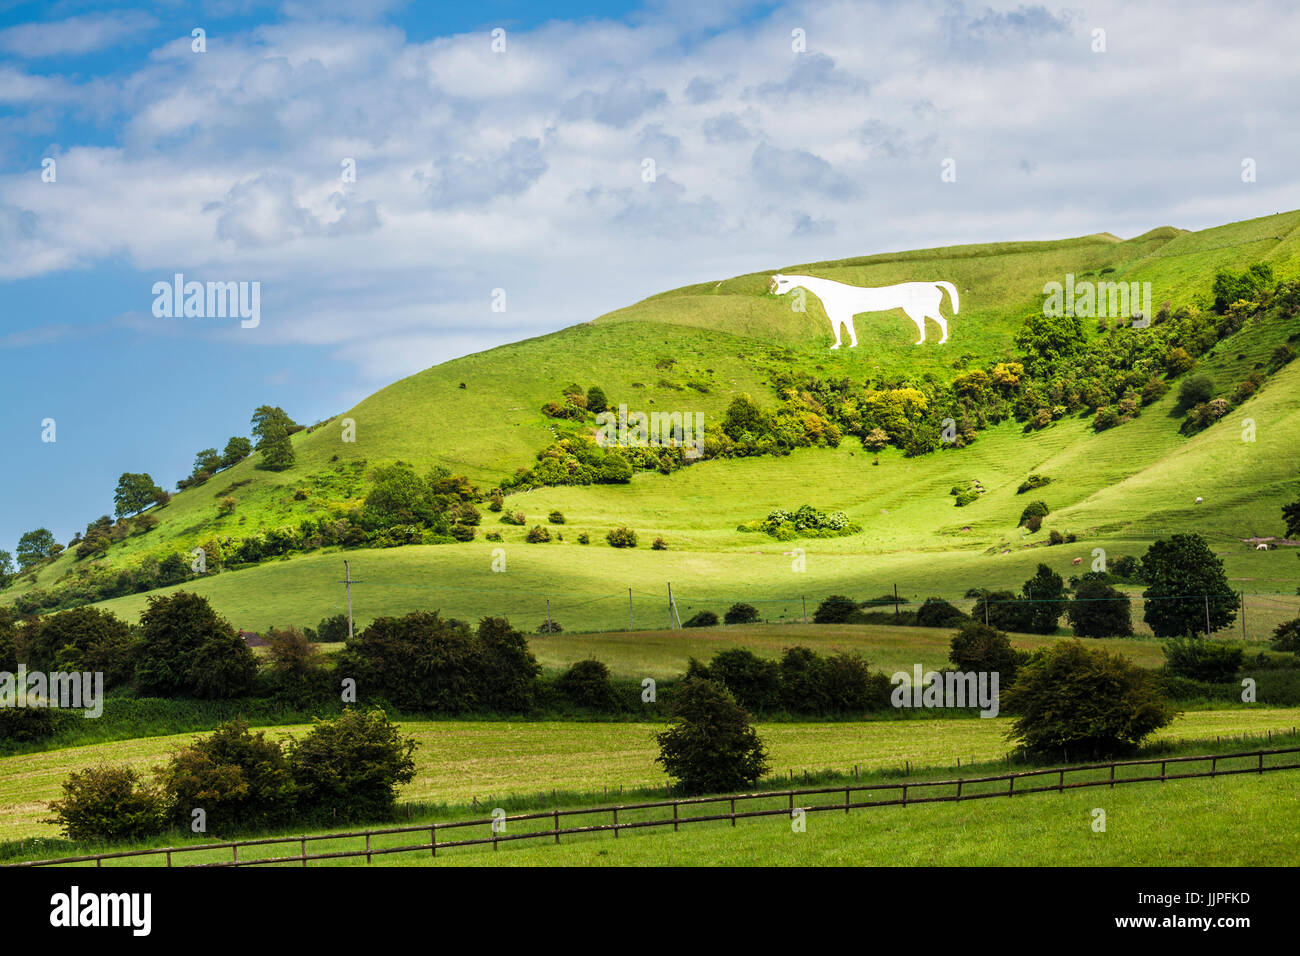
[
  {"x": 621, "y": 538},
  {"x": 702, "y": 619},
  {"x": 659, "y": 544},
  {"x": 349, "y": 768},
  {"x": 587, "y": 684},
  {"x": 515, "y": 518},
  {"x": 556, "y": 517},
  {"x": 332, "y": 630},
  {"x": 538, "y": 535},
  {"x": 711, "y": 746},
  {"x": 1198, "y": 659},
  {"x": 754, "y": 682},
  {"x": 803, "y": 682},
  {"x": 584, "y": 538},
  {"x": 187, "y": 650},
  {"x": 1004, "y": 610},
  {"x": 1195, "y": 390},
  {"x": 936, "y": 612},
  {"x": 239, "y": 779},
  {"x": 1035, "y": 509},
  {"x": 1099, "y": 610},
  {"x": 108, "y": 803},
  {"x": 81, "y": 639},
  {"x": 29, "y": 724},
  {"x": 1286, "y": 637},
  {"x": 982, "y": 649},
  {"x": 298, "y": 678},
  {"x": 741, "y": 613},
  {"x": 836, "y": 609},
  {"x": 851, "y": 686},
  {"x": 1075, "y": 702},
  {"x": 550, "y": 627},
  {"x": 1032, "y": 482}
]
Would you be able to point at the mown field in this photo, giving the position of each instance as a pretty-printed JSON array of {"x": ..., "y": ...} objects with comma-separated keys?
[{"x": 459, "y": 762}]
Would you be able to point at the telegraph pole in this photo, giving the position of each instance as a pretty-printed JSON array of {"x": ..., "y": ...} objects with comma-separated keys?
[
  {"x": 631, "y": 618},
  {"x": 347, "y": 579}
]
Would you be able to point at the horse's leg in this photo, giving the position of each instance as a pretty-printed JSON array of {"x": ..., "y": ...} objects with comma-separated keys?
[
  {"x": 853, "y": 333},
  {"x": 920, "y": 323},
  {"x": 835, "y": 327},
  {"x": 943, "y": 324}
]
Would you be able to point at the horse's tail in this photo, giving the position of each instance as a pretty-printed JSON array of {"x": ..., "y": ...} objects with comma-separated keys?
[{"x": 952, "y": 293}]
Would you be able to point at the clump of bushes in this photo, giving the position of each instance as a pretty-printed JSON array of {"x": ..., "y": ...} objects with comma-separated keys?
[
  {"x": 587, "y": 684},
  {"x": 802, "y": 682},
  {"x": 1032, "y": 482},
  {"x": 741, "y": 613},
  {"x": 515, "y": 518},
  {"x": 538, "y": 535},
  {"x": 806, "y": 522},
  {"x": 550, "y": 627},
  {"x": 836, "y": 609},
  {"x": 1033, "y": 515},
  {"x": 556, "y": 517},
  {"x": 1196, "y": 658},
  {"x": 702, "y": 619},
  {"x": 621, "y": 538}
]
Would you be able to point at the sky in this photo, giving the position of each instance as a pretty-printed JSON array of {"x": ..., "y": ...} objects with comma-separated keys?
[{"x": 577, "y": 155}]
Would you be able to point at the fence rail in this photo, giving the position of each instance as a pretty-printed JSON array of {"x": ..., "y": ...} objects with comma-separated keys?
[{"x": 907, "y": 793}]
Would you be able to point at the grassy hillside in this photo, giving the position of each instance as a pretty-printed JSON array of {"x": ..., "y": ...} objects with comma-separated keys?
[{"x": 695, "y": 348}]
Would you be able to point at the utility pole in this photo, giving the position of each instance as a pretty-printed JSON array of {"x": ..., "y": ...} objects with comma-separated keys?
[
  {"x": 347, "y": 575},
  {"x": 895, "y": 602},
  {"x": 674, "y": 620},
  {"x": 805, "y": 608},
  {"x": 548, "y": 615},
  {"x": 631, "y": 619},
  {"x": 986, "y": 608},
  {"x": 1207, "y": 615},
  {"x": 1243, "y": 614}
]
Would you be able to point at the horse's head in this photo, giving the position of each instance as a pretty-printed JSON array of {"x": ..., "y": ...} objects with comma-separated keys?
[{"x": 780, "y": 285}]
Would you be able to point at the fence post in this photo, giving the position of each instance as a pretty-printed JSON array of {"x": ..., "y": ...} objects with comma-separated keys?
[
  {"x": 169, "y": 857},
  {"x": 234, "y": 852},
  {"x": 733, "y": 811},
  {"x": 1214, "y": 766},
  {"x": 367, "y": 846},
  {"x": 1162, "y": 771},
  {"x": 958, "y": 789},
  {"x": 904, "y": 794},
  {"x": 1112, "y": 776},
  {"x": 846, "y": 799},
  {"x": 1261, "y": 763},
  {"x": 304, "y": 851},
  {"x": 1011, "y": 786},
  {"x": 674, "y": 816},
  {"x": 616, "y": 823},
  {"x": 557, "y": 825},
  {"x": 433, "y": 839},
  {"x": 1060, "y": 782}
]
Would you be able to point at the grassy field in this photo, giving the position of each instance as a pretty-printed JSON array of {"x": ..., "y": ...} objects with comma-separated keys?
[{"x": 463, "y": 761}]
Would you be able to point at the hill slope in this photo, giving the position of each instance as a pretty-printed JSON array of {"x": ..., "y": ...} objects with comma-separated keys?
[{"x": 695, "y": 349}]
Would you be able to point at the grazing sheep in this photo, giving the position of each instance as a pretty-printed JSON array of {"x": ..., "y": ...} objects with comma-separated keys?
[
  {"x": 1199, "y": 500},
  {"x": 1077, "y": 561}
]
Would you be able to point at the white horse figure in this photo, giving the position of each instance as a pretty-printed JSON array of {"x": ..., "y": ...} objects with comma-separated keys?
[{"x": 920, "y": 300}]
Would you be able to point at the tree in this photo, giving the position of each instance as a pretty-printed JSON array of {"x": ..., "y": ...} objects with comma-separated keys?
[
  {"x": 1004, "y": 610},
  {"x": 1099, "y": 610},
  {"x": 1195, "y": 390},
  {"x": 596, "y": 401},
  {"x": 936, "y": 612},
  {"x": 266, "y": 416},
  {"x": 81, "y": 639},
  {"x": 350, "y": 767},
  {"x": 1046, "y": 599},
  {"x": 296, "y": 672},
  {"x": 836, "y": 609},
  {"x": 587, "y": 684},
  {"x": 276, "y": 448},
  {"x": 187, "y": 650},
  {"x": 237, "y": 449},
  {"x": 398, "y": 497},
  {"x": 1291, "y": 515},
  {"x": 6, "y": 569},
  {"x": 980, "y": 649},
  {"x": 710, "y": 745},
  {"x": 1187, "y": 584},
  {"x": 754, "y": 682},
  {"x": 134, "y": 493},
  {"x": 34, "y": 547},
  {"x": 803, "y": 681},
  {"x": 108, "y": 803},
  {"x": 1286, "y": 636},
  {"x": 740, "y": 613},
  {"x": 207, "y": 461},
  {"x": 1075, "y": 702},
  {"x": 239, "y": 779},
  {"x": 332, "y": 630}
]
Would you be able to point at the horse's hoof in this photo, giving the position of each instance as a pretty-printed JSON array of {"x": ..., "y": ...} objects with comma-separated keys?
[{"x": 835, "y": 346}]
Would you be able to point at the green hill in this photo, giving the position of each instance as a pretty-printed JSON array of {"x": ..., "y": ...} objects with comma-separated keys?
[{"x": 695, "y": 349}]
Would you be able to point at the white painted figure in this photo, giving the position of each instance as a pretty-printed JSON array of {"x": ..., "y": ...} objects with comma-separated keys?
[{"x": 920, "y": 300}]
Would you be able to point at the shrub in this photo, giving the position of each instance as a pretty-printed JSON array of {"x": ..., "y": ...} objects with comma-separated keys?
[
  {"x": 836, "y": 609},
  {"x": 803, "y": 681},
  {"x": 1055, "y": 537},
  {"x": 851, "y": 687},
  {"x": 332, "y": 630},
  {"x": 1075, "y": 702},
  {"x": 1032, "y": 482},
  {"x": 741, "y": 613},
  {"x": 702, "y": 619},
  {"x": 515, "y": 518},
  {"x": 621, "y": 538},
  {"x": 587, "y": 684},
  {"x": 1195, "y": 390},
  {"x": 298, "y": 677},
  {"x": 710, "y": 746},
  {"x": 108, "y": 803},
  {"x": 187, "y": 649},
  {"x": 538, "y": 535},
  {"x": 1099, "y": 610},
  {"x": 659, "y": 544},
  {"x": 1286, "y": 636},
  {"x": 584, "y": 538},
  {"x": 550, "y": 627},
  {"x": 936, "y": 612},
  {"x": 556, "y": 517},
  {"x": 32, "y": 723},
  {"x": 462, "y": 532},
  {"x": 754, "y": 682},
  {"x": 1196, "y": 658},
  {"x": 239, "y": 779},
  {"x": 1035, "y": 509},
  {"x": 81, "y": 639},
  {"x": 349, "y": 768},
  {"x": 982, "y": 649},
  {"x": 1004, "y": 610}
]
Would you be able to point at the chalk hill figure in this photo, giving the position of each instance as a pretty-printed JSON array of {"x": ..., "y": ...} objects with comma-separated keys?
[{"x": 920, "y": 300}]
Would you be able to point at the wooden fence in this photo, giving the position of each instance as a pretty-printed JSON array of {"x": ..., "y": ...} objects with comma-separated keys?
[{"x": 904, "y": 794}]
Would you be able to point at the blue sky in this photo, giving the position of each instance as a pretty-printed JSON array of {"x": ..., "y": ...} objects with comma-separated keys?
[{"x": 522, "y": 169}]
